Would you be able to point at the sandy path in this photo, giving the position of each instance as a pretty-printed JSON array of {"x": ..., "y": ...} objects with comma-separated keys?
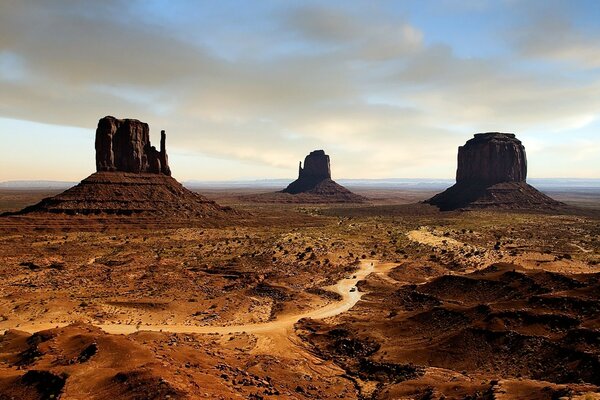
[
  {"x": 424, "y": 236},
  {"x": 282, "y": 324},
  {"x": 343, "y": 287},
  {"x": 276, "y": 338}
]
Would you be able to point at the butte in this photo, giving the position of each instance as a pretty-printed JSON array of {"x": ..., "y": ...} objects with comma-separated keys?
[
  {"x": 132, "y": 178},
  {"x": 313, "y": 186},
  {"x": 492, "y": 172},
  {"x": 314, "y": 181}
]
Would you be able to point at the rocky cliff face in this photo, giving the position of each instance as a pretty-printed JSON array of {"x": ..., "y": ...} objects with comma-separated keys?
[
  {"x": 316, "y": 166},
  {"x": 316, "y": 170},
  {"x": 491, "y": 158},
  {"x": 314, "y": 184},
  {"x": 132, "y": 179},
  {"x": 492, "y": 168},
  {"x": 124, "y": 145}
]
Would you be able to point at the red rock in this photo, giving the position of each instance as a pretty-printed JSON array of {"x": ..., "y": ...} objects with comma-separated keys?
[
  {"x": 490, "y": 158},
  {"x": 126, "y": 193},
  {"x": 132, "y": 178},
  {"x": 315, "y": 181},
  {"x": 316, "y": 166},
  {"x": 124, "y": 145},
  {"x": 492, "y": 169}
]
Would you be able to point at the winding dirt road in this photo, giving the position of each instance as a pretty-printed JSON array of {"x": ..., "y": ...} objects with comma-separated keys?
[
  {"x": 345, "y": 287},
  {"x": 276, "y": 338}
]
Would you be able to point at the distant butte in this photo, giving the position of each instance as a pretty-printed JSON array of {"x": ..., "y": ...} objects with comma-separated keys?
[
  {"x": 492, "y": 172},
  {"x": 315, "y": 179},
  {"x": 316, "y": 170},
  {"x": 132, "y": 178}
]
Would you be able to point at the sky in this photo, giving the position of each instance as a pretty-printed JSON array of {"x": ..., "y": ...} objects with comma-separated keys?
[{"x": 389, "y": 89}]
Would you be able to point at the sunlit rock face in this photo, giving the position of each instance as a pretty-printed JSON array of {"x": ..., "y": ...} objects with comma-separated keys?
[{"x": 124, "y": 145}]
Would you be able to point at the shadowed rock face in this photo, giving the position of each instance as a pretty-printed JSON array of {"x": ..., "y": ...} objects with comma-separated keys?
[
  {"x": 132, "y": 179},
  {"x": 316, "y": 170},
  {"x": 491, "y": 158},
  {"x": 124, "y": 145},
  {"x": 316, "y": 166},
  {"x": 130, "y": 194},
  {"x": 314, "y": 180},
  {"x": 492, "y": 169}
]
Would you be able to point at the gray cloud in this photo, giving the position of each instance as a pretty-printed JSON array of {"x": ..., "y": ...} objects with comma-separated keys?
[
  {"x": 552, "y": 36},
  {"x": 363, "y": 85}
]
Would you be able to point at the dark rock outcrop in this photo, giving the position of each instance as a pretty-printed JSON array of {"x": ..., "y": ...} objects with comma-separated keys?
[
  {"x": 126, "y": 193},
  {"x": 491, "y": 158},
  {"x": 316, "y": 166},
  {"x": 315, "y": 181},
  {"x": 133, "y": 178},
  {"x": 124, "y": 145},
  {"x": 492, "y": 170},
  {"x": 316, "y": 170}
]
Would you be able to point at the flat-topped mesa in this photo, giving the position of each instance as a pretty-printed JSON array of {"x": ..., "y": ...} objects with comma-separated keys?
[
  {"x": 124, "y": 145},
  {"x": 491, "y": 158},
  {"x": 492, "y": 169}
]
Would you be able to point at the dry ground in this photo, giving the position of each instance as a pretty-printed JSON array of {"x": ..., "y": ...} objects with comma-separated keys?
[{"x": 458, "y": 305}]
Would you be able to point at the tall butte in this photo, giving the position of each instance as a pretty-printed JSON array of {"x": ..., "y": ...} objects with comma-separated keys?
[
  {"x": 132, "y": 178},
  {"x": 492, "y": 173},
  {"x": 315, "y": 181},
  {"x": 124, "y": 145}
]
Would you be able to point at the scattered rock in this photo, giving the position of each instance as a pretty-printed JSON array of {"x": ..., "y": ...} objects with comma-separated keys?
[{"x": 46, "y": 383}]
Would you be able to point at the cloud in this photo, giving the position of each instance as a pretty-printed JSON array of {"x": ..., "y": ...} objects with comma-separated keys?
[
  {"x": 364, "y": 85},
  {"x": 80, "y": 46},
  {"x": 552, "y": 36},
  {"x": 352, "y": 35}
]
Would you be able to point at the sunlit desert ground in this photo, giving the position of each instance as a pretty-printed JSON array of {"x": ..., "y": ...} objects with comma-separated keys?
[{"x": 390, "y": 299}]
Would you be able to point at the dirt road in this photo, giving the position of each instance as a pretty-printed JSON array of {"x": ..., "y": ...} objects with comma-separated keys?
[{"x": 345, "y": 287}]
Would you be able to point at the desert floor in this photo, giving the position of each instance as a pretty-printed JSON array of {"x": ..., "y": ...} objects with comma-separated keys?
[{"x": 386, "y": 300}]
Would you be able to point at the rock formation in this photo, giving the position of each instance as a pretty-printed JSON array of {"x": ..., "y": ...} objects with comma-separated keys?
[
  {"x": 491, "y": 158},
  {"x": 124, "y": 145},
  {"x": 132, "y": 178},
  {"x": 492, "y": 169},
  {"x": 126, "y": 193},
  {"x": 315, "y": 181},
  {"x": 316, "y": 170}
]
